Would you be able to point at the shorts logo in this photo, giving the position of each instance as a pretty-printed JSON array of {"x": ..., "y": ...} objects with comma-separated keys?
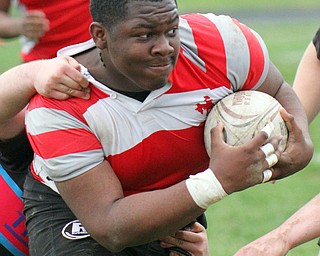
[{"x": 74, "y": 231}]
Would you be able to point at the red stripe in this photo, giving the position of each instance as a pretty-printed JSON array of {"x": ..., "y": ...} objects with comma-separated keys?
[
  {"x": 257, "y": 60},
  {"x": 74, "y": 106},
  {"x": 210, "y": 43},
  {"x": 12, "y": 222},
  {"x": 142, "y": 175},
  {"x": 63, "y": 142}
]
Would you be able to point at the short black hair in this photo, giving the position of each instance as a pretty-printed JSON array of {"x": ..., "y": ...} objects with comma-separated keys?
[{"x": 109, "y": 12}]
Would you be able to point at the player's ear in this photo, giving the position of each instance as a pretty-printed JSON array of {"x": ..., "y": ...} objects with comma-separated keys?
[{"x": 99, "y": 34}]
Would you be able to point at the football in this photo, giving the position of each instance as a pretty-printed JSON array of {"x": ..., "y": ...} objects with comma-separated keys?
[{"x": 244, "y": 114}]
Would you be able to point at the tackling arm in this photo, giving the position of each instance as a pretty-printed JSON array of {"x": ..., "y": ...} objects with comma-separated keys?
[
  {"x": 57, "y": 78},
  {"x": 307, "y": 82},
  {"x": 301, "y": 227}
]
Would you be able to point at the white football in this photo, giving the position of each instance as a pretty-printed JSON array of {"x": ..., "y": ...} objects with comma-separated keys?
[{"x": 243, "y": 115}]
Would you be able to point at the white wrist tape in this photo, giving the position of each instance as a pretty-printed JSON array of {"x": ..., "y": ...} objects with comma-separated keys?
[{"x": 205, "y": 189}]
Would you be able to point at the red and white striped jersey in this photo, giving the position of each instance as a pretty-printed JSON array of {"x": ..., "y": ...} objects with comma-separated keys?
[{"x": 158, "y": 142}]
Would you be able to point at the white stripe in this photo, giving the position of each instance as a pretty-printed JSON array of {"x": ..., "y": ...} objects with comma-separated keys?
[
  {"x": 43, "y": 120},
  {"x": 237, "y": 71},
  {"x": 67, "y": 166},
  {"x": 188, "y": 44},
  {"x": 266, "y": 60}
]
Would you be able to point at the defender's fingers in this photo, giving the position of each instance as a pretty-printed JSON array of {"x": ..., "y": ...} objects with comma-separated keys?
[
  {"x": 74, "y": 73},
  {"x": 83, "y": 93}
]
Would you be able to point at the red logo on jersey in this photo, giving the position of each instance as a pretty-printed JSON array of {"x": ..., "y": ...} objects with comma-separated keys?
[{"x": 201, "y": 107}]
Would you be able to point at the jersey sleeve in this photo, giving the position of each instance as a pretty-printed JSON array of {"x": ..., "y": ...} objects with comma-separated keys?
[
  {"x": 226, "y": 51},
  {"x": 63, "y": 143}
]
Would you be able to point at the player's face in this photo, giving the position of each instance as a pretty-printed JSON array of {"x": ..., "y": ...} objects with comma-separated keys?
[{"x": 143, "y": 49}]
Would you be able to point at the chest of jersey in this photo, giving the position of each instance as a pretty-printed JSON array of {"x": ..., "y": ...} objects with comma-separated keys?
[{"x": 153, "y": 144}]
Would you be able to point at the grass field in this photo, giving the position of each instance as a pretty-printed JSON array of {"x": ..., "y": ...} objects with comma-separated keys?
[
  {"x": 218, "y": 5},
  {"x": 244, "y": 216}
]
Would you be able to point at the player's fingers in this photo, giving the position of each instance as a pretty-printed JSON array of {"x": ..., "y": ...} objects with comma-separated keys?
[
  {"x": 59, "y": 95},
  {"x": 74, "y": 73},
  {"x": 268, "y": 129},
  {"x": 33, "y": 34},
  {"x": 175, "y": 254},
  {"x": 272, "y": 160},
  {"x": 35, "y": 13},
  {"x": 263, "y": 136},
  {"x": 267, "y": 174},
  {"x": 267, "y": 149},
  {"x": 288, "y": 119},
  {"x": 195, "y": 227},
  {"x": 69, "y": 93},
  {"x": 271, "y": 146},
  {"x": 73, "y": 90},
  {"x": 75, "y": 64},
  {"x": 216, "y": 134},
  {"x": 36, "y": 19}
]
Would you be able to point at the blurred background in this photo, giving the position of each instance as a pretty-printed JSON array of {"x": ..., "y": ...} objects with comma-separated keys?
[{"x": 287, "y": 28}]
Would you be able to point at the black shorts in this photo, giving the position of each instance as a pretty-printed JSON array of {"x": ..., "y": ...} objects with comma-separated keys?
[{"x": 49, "y": 223}]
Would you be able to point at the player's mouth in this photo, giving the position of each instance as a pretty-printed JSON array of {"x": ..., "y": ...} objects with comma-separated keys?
[{"x": 162, "y": 67}]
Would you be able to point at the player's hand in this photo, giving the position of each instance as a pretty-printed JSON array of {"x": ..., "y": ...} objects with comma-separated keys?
[
  {"x": 59, "y": 78},
  {"x": 298, "y": 152},
  {"x": 193, "y": 240},
  {"x": 240, "y": 167},
  {"x": 270, "y": 244},
  {"x": 34, "y": 25}
]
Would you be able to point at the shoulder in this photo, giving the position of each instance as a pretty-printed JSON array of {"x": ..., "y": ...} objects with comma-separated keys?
[
  {"x": 210, "y": 24},
  {"x": 226, "y": 50},
  {"x": 219, "y": 33}
]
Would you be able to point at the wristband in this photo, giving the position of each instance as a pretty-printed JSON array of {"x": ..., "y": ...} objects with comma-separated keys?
[{"x": 205, "y": 189}]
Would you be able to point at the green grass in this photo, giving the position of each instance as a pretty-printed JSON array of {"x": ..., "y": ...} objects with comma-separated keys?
[
  {"x": 286, "y": 47},
  {"x": 244, "y": 216},
  {"x": 243, "y": 5},
  {"x": 9, "y": 54}
]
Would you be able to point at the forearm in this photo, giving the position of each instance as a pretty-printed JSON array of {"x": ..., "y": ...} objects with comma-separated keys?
[
  {"x": 16, "y": 89},
  {"x": 133, "y": 220},
  {"x": 303, "y": 226},
  {"x": 10, "y": 26},
  {"x": 154, "y": 215},
  {"x": 127, "y": 221},
  {"x": 307, "y": 82}
]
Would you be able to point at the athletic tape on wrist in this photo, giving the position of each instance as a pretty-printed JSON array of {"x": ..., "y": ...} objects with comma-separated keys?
[{"x": 205, "y": 189}]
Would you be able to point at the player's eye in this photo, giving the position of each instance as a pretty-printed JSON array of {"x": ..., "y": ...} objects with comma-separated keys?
[
  {"x": 173, "y": 32},
  {"x": 146, "y": 35}
]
